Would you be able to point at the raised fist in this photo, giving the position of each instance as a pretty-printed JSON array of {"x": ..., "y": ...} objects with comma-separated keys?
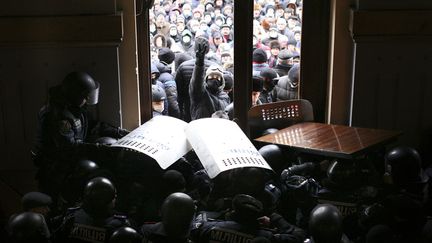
[{"x": 201, "y": 48}]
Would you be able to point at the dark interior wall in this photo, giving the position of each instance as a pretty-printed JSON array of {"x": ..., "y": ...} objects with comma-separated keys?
[
  {"x": 392, "y": 81},
  {"x": 45, "y": 40}
]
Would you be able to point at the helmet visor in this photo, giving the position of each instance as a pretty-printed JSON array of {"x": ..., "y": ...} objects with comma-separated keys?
[{"x": 93, "y": 96}]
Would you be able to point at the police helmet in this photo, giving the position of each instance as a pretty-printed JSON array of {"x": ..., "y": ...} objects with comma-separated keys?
[
  {"x": 28, "y": 227},
  {"x": 343, "y": 174},
  {"x": 406, "y": 165},
  {"x": 158, "y": 94},
  {"x": 325, "y": 224},
  {"x": 84, "y": 167},
  {"x": 80, "y": 85},
  {"x": 273, "y": 155},
  {"x": 177, "y": 222},
  {"x": 125, "y": 235},
  {"x": 99, "y": 191}
]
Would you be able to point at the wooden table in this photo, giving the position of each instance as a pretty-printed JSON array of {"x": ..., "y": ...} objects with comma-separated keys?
[{"x": 330, "y": 140}]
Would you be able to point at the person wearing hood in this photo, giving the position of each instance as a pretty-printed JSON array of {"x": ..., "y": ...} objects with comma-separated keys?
[
  {"x": 287, "y": 86},
  {"x": 173, "y": 33},
  {"x": 206, "y": 87},
  {"x": 187, "y": 42},
  {"x": 269, "y": 77}
]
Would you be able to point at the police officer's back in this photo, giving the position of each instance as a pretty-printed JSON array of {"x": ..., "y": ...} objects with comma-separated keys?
[
  {"x": 178, "y": 210},
  {"x": 244, "y": 225},
  {"x": 95, "y": 221},
  {"x": 28, "y": 227}
]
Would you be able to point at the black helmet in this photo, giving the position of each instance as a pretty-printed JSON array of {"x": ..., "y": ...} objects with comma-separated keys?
[
  {"x": 406, "y": 166},
  {"x": 177, "y": 222},
  {"x": 158, "y": 94},
  {"x": 84, "y": 168},
  {"x": 173, "y": 181},
  {"x": 125, "y": 235},
  {"x": 28, "y": 227},
  {"x": 78, "y": 86},
  {"x": 325, "y": 224},
  {"x": 343, "y": 174},
  {"x": 99, "y": 191},
  {"x": 273, "y": 155}
]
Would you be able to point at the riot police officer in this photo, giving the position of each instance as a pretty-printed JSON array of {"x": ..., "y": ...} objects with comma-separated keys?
[
  {"x": 95, "y": 221},
  {"x": 64, "y": 129},
  {"x": 245, "y": 223},
  {"x": 28, "y": 227},
  {"x": 178, "y": 210}
]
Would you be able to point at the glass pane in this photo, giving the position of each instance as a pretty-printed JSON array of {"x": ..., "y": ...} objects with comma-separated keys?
[
  {"x": 174, "y": 29},
  {"x": 276, "y": 55}
]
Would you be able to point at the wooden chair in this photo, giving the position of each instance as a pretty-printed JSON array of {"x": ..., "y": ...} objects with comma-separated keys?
[{"x": 278, "y": 115}]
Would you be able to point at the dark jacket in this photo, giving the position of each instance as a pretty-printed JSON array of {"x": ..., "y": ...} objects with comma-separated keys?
[
  {"x": 203, "y": 102},
  {"x": 155, "y": 233},
  {"x": 232, "y": 231},
  {"x": 80, "y": 226},
  {"x": 284, "y": 90},
  {"x": 282, "y": 69},
  {"x": 170, "y": 88},
  {"x": 182, "y": 78}
]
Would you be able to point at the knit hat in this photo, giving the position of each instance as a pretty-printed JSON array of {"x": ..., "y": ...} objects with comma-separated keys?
[
  {"x": 34, "y": 200},
  {"x": 166, "y": 55},
  {"x": 257, "y": 84},
  {"x": 294, "y": 72},
  {"x": 158, "y": 94},
  {"x": 259, "y": 56},
  {"x": 284, "y": 54},
  {"x": 268, "y": 73}
]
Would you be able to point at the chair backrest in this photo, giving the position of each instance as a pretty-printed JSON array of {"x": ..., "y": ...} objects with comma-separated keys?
[{"x": 279, "y": 114}]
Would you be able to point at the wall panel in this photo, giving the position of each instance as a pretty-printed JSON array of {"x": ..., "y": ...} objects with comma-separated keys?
[{"x": 392, "y": 83}]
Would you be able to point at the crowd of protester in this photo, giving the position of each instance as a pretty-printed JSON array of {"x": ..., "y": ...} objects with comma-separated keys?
[{"x": 176, "y": 25}]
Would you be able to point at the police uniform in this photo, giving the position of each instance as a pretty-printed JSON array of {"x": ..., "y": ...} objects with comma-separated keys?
[
  {"x": 205, "y": 230},
  {"x": 61, "y": 133},
  {"x": 155, "y": 233},
  {"x": 79, "y": 226}
]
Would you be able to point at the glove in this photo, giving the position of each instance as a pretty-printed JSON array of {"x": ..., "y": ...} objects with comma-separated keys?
[
  {"x": 122, "y": 132},
  {"x": 201, "y": 49}
]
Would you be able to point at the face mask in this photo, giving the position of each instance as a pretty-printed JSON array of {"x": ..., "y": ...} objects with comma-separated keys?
[
  {"x": 173, "y": 32},
  {"x": 186, "y": 39},
  {"x": 273, "y": 34},
  {"x": 158, "y": 108},
  {"x": 213, "y": 85}
]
